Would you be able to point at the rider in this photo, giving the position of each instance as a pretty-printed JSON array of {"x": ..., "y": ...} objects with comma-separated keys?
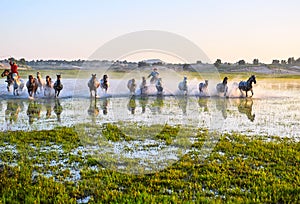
[
  {"x": 13, "y": 69},
  {"x": 154, "y": 75}
]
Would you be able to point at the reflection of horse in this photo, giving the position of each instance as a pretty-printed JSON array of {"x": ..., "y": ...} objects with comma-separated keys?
[
  {"x": 9, "y": 80},
  {"x": 104, "y": 104},
  {"x": 131, "y": 104},
  {"x": 202, "y": 102},
  {"x": 159, "y": 86},
  {"x": 18, "y": 85},
  {"x": 222, "y": 87},
  {"x": 58, "y": 86},
  {"x": 182, "y": 86},
  {"x": 93, "y": 110},
  {"x": 182, "y": 103},
  {"x": 31, "y": 86},
  {"x": 12, "y": 111},
  {"x": 131, "y": 85},
  {"x": 203, "y": 87},
  {"x": 143, "y": 86},
  {"x": 157, "y": 104},
  {"x": 221, "y": 105},
  {"x": 40, "y": 81},
  {"x": 93, "y": 84},
  {"x": 247, "y": 85},
  {"x": 48, "y": 87},
  {"x": 143, "y": 102},
  {"x": 245, "y": 107},
  {"x": 57, "y": 109},
  {"x": 104, "y": 83},
  {"x": 33, "y": 111}
]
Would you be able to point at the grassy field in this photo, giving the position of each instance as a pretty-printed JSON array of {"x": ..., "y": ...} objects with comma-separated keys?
[{"x": 240, "y": 169}]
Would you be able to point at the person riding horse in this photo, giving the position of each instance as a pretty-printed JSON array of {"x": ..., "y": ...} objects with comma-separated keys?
[
  {"x": 154, "y": 74},
  {"x": 13, "y": 69}
]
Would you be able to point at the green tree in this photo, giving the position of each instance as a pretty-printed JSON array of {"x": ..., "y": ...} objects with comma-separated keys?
[
  {"x": 255, "y": 61},
  {"x": 241, "y": 62},
  {"x": 218, "y": 62}
]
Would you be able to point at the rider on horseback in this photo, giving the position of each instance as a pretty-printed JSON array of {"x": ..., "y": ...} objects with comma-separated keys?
[
  {"x": 154, "y": 74},
  {"x": 13, "y": 69}
]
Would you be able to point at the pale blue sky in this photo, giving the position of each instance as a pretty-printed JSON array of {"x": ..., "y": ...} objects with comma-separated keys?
[{"x": 227, "y": 29}]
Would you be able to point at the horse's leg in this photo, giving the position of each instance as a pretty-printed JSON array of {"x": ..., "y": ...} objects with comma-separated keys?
[
  {"x": 252, "y": 92},
  {"x": 246, "y": 94},
  {"x": 242, "y": 93}
]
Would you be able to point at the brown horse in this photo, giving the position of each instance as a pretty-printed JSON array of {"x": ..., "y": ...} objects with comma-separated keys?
[{"x": 32, "y": 86}]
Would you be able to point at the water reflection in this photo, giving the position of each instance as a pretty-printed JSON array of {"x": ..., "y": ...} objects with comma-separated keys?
[
  {"x": 132, "y": 104},
  {"x": 182, "y": 103},
  {"x": 104, "y": 105},
  {"x": 12, "y": 111},
  {"x": 57, "y": 109},
  {"x": 245, "y": 107},
  {"x": 222, "y": 105},
  {"x": 157, "y": 105},
  {"x": 202, "y": 102},
  {"x": 33, "y": 111},
  {"x": 143, "y": 100},
  {"x": 93, "y": 110}
]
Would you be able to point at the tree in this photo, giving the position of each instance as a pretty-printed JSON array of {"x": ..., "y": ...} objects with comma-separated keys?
[
  {"x": 218, "y": 62},
  {"x": 241, "y": 62},
  {"x": 186, "y": 66},
  {"x": 255, "y": 61},
  {"x": 275, "y": 61},
  {"x": 283, "y": 62},
  {"x": 22, "y": 61},
  {"x": 291, "y": 60}
]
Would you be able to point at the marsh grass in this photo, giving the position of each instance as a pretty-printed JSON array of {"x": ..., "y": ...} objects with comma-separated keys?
[{"x": 240, "y": 169}]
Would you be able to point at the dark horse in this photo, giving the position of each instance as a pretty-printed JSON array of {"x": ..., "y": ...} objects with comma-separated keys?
[
  {"x": 58, "y": 86},
  {"x": 247, "y": 85},
  {"x": 222, "y": 87},
  {"x": 32, "y": 86},
  {"x": 9, "y": 78},
  {"x": 104, "y": 83}
]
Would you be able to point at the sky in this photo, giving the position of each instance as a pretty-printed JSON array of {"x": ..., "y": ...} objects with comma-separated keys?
[{"x": 229, "y": 30}]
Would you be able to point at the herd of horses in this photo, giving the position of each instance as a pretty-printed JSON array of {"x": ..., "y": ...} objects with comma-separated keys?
[
  {"x": 38, "y": 84},
  {"x": 33, "y": 84},
  {"x": 94, "y": 84}
]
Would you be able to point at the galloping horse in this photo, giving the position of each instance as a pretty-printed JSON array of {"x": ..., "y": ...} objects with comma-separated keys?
[
  {"x": 203, "y": 87},
  {"x": 48, "y": 87},
  {"x": 31, "y": 86},
  {"x": 93, "y": 84},
  {"x": 159, "y": 86},
  {"x": 9, "y": 78},
  {"x": 131, "y": 85},
  {"x": 58, "y": 86},
  {"x": 247, "y": 85},
  {"x": 18, "y": 85},
  {"x": 143, "y": 86},
  {"x": 182, "y": 86},
  {"x": 40, "y": 81},
  {"x": 222, "y": 87},
  {"x": 104, "y": 83}
]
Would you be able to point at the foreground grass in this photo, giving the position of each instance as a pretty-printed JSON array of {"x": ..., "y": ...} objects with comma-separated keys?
[{"x": 241, "y": 169}]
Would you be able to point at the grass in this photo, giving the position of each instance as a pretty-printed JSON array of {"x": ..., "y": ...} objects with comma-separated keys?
[{"x": 240, "y": 169}]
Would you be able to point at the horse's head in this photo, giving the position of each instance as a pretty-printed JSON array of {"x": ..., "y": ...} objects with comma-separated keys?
[
  {"x": 30, "y": 78},
  {"x": 225, "y": 80},
  {"x": 38, "y": 75},
  {"x": 5, "y": 73},
  {"x": 105, "y": 76},
  {"x": 58, "y": 76},
  {"x": 252, "y": 79},
  {"x": 206, "y": 82},
  {"x": 94, "y": 76}
]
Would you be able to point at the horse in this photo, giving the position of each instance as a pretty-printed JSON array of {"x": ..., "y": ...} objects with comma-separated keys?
[
  {"x": 203, "y": 87},
  {"x": 222, "y": 87},
  {"x": 182, "y": 86},
  {"x": 40, "y": 81},
  {"x": 48, "y": 87},
  {"x": 143, "y": 86},
  {"x": 18, "y": 85},
  {"x": 58, "y": 86},
  {"x": 247, "y": 85},
  {"x": 245, "y": 107},
  {"x": 32, "y": 86},
  {"x": 104, "y": 83},
  {"x": 9, "y": 79},
  {"x": 159, "y": 86},
  {"x": 93, "y": 84},
  {"x": 131, "y": 85}
]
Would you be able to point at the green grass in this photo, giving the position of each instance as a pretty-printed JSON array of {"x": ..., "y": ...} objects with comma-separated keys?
[{"x": 240, "y": 169}]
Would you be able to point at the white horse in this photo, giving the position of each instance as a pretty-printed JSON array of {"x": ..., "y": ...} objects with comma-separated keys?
[
  {"x": 40, "y": 81},
  {"x": 93, "y": 84},
  {"x": 203, "y": 87},
  {"x": 159, "y": 86},
  {"x": 222, "y": 87},
  {"x": 48, "y": 87},
  {"x": 18, "y": 85},
  {"x": 182, "y": 86},
  {"x": 131, "y": 85}
]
